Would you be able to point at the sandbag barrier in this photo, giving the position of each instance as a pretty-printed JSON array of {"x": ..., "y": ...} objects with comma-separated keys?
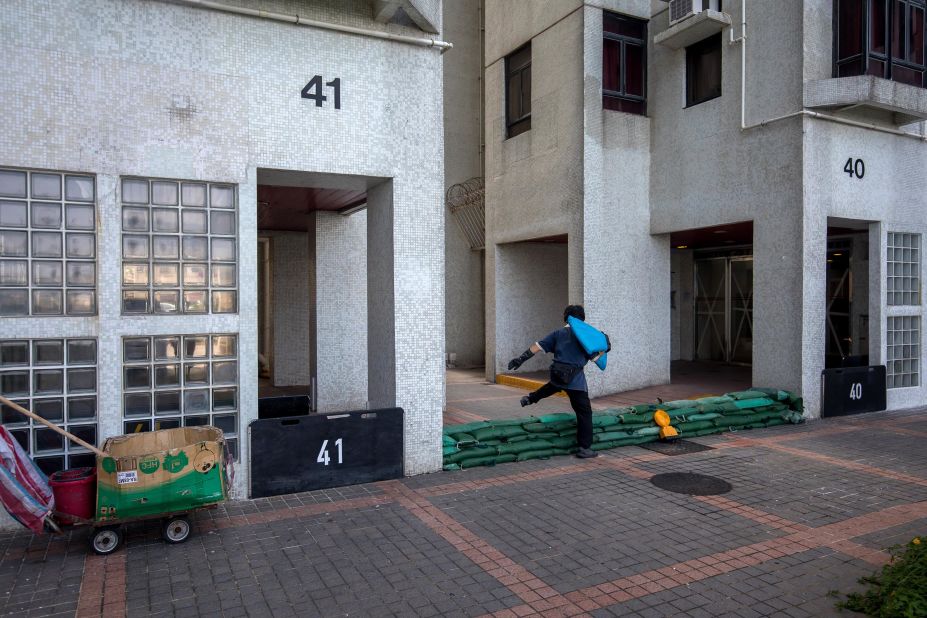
[{"x": 486, "y": 443}]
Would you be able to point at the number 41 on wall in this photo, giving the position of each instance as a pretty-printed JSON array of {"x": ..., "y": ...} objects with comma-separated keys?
[
  {"x": 313, "y": 90},
  {"x": 323, "y": 457}
]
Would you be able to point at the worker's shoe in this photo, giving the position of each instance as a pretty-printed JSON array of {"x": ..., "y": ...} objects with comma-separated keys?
[
  {"x": 525, "y": 401},
  {"x": 586, "y": 453}
]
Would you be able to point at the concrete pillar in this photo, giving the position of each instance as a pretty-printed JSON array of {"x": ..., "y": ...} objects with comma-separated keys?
[
  {"x": 381, "y": 298},
  {"x": 340, "y": 324},
  {"x": 877, "y": 254}
]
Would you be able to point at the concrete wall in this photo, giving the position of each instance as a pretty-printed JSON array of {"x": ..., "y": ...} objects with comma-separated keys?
[
  {"x": 291, "y": 308},
  {"x": 340, "y": 331},
  {"x": 184, "y": 100},
  {"x": 534, "y": 181},
  {"x": 626, "y": 271},
  {"x": 532, "y": 281},
  {"x": 465, "y": 335}
]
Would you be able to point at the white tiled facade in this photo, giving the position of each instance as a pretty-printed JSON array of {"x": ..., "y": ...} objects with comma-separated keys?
[{"x": 117, "y": 88}]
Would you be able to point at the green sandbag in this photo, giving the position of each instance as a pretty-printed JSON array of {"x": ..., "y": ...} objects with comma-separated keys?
[
  {"x": 718, "y": 407},
  {"x": 511, "y": 422},
  {"x": 608, "y": 436},
  {"x": 774, "y": 393},
  {"x": 742, "y": 421},
  {"x": 449, "y": 467},
  {"x": 701, "y": 432},
  {"x": 637, "y": 419},
  {"x": 564, "y": 442},
  {"x": 681, "y": 412},
  {"x": 711, "y": 401},
  {"x": 567, "y": 432},
  {"x": 605, "y": 420},
  {"x": 469, "y": 453},
  {"x": 495, "y": 433},
  {"x": 552, "y": 426},
  {"x": 642, "y": 408},
  {"x": 449, "y": 450},
  {"x": 464, "y": 439},
  {"x": 604, "y": 446},
  {"x": 558, "y": 416},
  {"x": 540, "y": 435},
  {"x": 757, "y": 402},
  {"x": 446, "y": 440},
  {"x": 750, "y": 394},
  {"x": 486, "y": 461},
  {"x": 541, "y": 454},
  {"x": 465, "y": 428},
  {"x": 702, "y": 417},
  {"x": 646, "y": 431},
  {"x": 514, "y": 448},
  {"x": 695, "y": 425},
  {"x": 794, "y": 417},
  {"x": 675, "y": 405}
]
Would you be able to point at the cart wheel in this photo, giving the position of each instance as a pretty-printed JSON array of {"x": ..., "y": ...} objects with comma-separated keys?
[
  {"x": 176, "y": 529},
  {"x": 106, "y": 540}
]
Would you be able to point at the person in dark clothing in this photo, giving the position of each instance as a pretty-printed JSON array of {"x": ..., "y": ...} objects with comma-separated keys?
[{"x": 566, "y": 375}]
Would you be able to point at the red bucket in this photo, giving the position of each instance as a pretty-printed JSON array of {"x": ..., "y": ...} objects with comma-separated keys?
[{"x": 75, "y": 491}]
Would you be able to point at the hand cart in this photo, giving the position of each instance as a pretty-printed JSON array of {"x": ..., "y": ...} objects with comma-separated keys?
[{"x": 166, "y": 474}]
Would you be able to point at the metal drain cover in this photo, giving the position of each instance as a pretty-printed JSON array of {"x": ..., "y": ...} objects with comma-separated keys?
[
  {"x": 679, "y": 447},
  {"x": 691, "y": 483}
]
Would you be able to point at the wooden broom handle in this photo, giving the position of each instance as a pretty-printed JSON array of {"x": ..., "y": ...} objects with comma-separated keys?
[{"x": 52, "y": 426}]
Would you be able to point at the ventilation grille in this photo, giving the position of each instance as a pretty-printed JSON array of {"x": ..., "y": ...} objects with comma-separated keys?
[
  {"x": 466, "y": 201},
  {"x": 680, "y": 9}
]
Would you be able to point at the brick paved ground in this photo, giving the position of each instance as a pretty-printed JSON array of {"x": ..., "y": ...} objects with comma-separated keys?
[{"x": 811, "y": 510}]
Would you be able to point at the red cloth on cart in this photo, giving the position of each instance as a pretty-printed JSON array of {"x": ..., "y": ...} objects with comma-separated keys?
[{"x": 24, "y": 489}]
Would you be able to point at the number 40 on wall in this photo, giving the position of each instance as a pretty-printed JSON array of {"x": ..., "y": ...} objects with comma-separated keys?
[{"x": 313, "y": 90}]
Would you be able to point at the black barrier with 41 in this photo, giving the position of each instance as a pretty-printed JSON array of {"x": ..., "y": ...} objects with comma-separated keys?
[
  {"x": 852, "y": 390},
  {"x": 304, "y": 453}
]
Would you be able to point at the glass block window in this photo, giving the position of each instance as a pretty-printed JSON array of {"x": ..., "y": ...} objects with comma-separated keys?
[
  {"x": 56, "y": 379},
  {"x": 47, "y": 244},
  {"x": 179, "y": 247},
  {"x": 904, "y": 269},
  {"x": 903, "y": 351},
  {"x": 181, "y": 380}
]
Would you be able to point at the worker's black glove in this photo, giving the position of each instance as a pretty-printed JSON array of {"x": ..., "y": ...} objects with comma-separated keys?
[
  {"x": 515, "y": 363},
  {"x": 608, "y": 343}
]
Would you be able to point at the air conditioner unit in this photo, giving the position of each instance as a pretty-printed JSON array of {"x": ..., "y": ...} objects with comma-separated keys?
[{"x": 683, "y": 9}]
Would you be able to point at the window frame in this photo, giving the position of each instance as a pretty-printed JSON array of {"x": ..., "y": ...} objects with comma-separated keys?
[
  {"x": 712, "y": 42},
  {"x": 625, "y": 40},
  {"x": 867, "y": 56},
  {"x": 522, "y": 123}
]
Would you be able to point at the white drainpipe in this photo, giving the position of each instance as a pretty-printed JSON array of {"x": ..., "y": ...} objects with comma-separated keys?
[
  {"x": 742, "y": 39},
  {"x": 312, "y": 23}
]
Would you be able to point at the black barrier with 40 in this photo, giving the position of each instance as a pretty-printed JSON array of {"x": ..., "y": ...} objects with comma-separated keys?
[
  {"x": 304, "y": 453},
  {"x": 852, "y": 390}
]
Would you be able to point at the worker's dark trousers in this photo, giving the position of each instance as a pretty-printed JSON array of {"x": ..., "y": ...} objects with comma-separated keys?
[{"x": 580, "y": 402}]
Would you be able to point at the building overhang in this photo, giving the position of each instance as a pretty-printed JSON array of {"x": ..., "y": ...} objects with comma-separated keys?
[
  {"x": 693, "y": 29},
  {"x": 902, "y": 104}
]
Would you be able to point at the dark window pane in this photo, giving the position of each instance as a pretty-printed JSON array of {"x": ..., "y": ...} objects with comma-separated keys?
[
  {"x": 50, "y": 465},
  {"x": 167, "y": 375},
  {"x": 850, "y": 25},
  {"x": 14, "y": 383},
  {"x": 611, "y": 65},
  {"x": 624, "y": 26},
  {"x": 136, "y": 426},
  {"x": 167, "y": 423},
  {"x": 634, "y": 65},
  {"x": 82, "y": 408},
  {"x": 898, "y": 30},
  {"x": 82, "y": 380},
  {"x": 167, "y": 404},
  {"x": 14, "y": 302},
  {"x": 87, "y": 433},
  {"x": 917, "y": 35},
  {"x": 22, "y": 436},
  {"x": 703, "y": 71},
  {"x": 195, "y": 347},
  {"x": 49, "y": 409},
  {"x": 623, "y": 105},
  {"x": 137, "y": 404},
  {"x": 137, "y": 377},
  {"x": 877, "y": 26},
  {"x": 195, "y": 421},
  {"x": 136, "y": 350},
  {"x": 196, "y": 374},
  {"x": 224, "y": 399},
  {"x": 14, "y": 353},
  {"x": 82, "y": 351},
  {"x": 167, "y": 348},
  {"x": 851, "y": 68},
  {"x": 13, "y": 214},
  {"x": 49, "y": 352},
  {"x": 225, "y": 422},
  {"x": 513, "y": 106},
  {"x": 518, "y": 91},
  {"x": 907, "y": 76},
  {"x": 88, "y": 460},
  {"x": 876, "y": 68},
  {"x": 135, "y": 302},
  {"x": 47, "y": 381},
  {"x": 47, "y": 440}
]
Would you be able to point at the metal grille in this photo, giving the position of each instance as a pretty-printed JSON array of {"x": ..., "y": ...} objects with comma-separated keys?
[
  {"x": 904, "y": 269},
  {"x": 680, "y": 9},
  {"x": 466, "y": 203},
  {"x": 903, "y": 349}
]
